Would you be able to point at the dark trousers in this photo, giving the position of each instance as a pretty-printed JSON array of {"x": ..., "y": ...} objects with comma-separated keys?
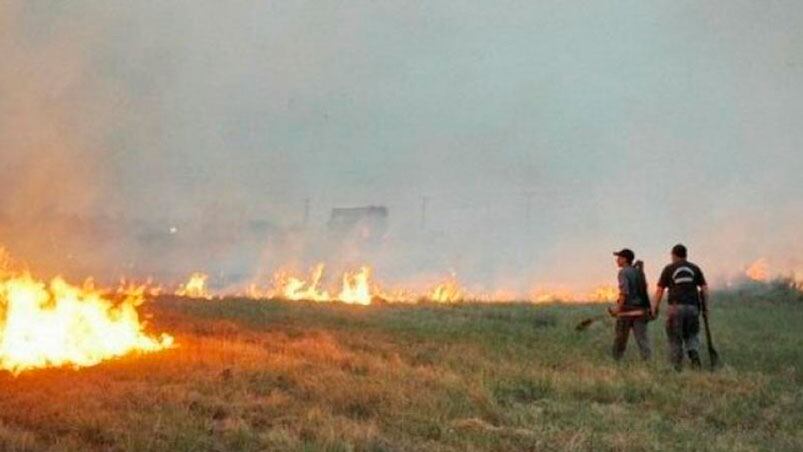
[
  {"x": 639, "y": 327},
  {"x": 682, "y": 330}
]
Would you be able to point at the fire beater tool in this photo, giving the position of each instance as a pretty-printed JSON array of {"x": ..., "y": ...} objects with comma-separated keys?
[
  {"x": 713, "y": 356},
  {"x": 583, "y": 325}
]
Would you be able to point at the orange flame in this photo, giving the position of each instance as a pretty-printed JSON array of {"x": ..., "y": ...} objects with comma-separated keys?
[
  {"x": 61, "y": 325},
  {"x": 195, "y": 287},
  {"x": 758, "y": 270},
  {"x": 296, "y": 289},
  {"x": 356, "y": 287},
  {"x": 552, "y": 296},
  {"x": 604, "y": 294},
  {"x": 448, "y": 291}
]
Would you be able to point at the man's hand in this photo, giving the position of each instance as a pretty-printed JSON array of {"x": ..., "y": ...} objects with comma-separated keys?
[{"x": 659, "y": 295}]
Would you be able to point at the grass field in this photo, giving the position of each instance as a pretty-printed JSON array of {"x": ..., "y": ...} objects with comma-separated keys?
[{"x": 267, "y": 375}]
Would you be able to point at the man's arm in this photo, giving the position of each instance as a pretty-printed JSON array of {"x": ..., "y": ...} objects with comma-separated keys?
[
  {"x": 663, "y": 283},
  {"x": 703, "y": 285},
  {"x": 659, "y": 295},
  {"x": 704, "y": 297}
]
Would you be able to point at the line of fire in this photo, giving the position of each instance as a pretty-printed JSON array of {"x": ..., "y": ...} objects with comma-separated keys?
[{"x": 56, "y": 323}]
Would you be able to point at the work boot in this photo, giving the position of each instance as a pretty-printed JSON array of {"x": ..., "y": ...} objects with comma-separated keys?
[{"x": 695, "y": 360}]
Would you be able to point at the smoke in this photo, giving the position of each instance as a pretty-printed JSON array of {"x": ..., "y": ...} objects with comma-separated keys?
[
  {"x": 514, "y": 145},
  {"x": 52, "y": 161}
]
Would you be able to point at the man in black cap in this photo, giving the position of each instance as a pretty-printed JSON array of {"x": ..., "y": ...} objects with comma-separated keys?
[
  {"x": 632, "y": 298},
  {"x": 686, "y": 284}
]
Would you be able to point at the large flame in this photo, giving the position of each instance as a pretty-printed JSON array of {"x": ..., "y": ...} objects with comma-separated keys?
[{"x": 52, "y": 325}]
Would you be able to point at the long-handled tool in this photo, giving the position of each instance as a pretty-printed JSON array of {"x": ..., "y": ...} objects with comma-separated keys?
[
  {"x": 583, "y": 325},
  {"x": 713, "y": 356}
]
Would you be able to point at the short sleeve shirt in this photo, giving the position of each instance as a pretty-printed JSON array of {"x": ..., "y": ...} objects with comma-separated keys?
[{"x": 682, "y": 279}]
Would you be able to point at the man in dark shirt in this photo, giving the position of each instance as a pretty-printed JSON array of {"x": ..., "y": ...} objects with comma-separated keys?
[
  {"x": 632, "y": 297},
  {"x": 686, "y": 283}
]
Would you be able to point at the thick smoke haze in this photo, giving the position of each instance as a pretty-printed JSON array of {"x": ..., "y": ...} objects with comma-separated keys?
[{"x": 514, "y": 143}]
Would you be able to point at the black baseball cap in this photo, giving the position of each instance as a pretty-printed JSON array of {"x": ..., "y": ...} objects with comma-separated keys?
[{"x": 626, "y": 253}]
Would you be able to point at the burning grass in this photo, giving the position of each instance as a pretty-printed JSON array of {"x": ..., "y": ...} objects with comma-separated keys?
[
  {"x": 58, "y": 324},
  {"x": 257, "y": 375},
  {"x": 359, "y": 287}
]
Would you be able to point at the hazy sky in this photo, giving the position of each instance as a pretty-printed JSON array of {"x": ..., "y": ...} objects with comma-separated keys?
[{"x": 630, "y": 122}]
